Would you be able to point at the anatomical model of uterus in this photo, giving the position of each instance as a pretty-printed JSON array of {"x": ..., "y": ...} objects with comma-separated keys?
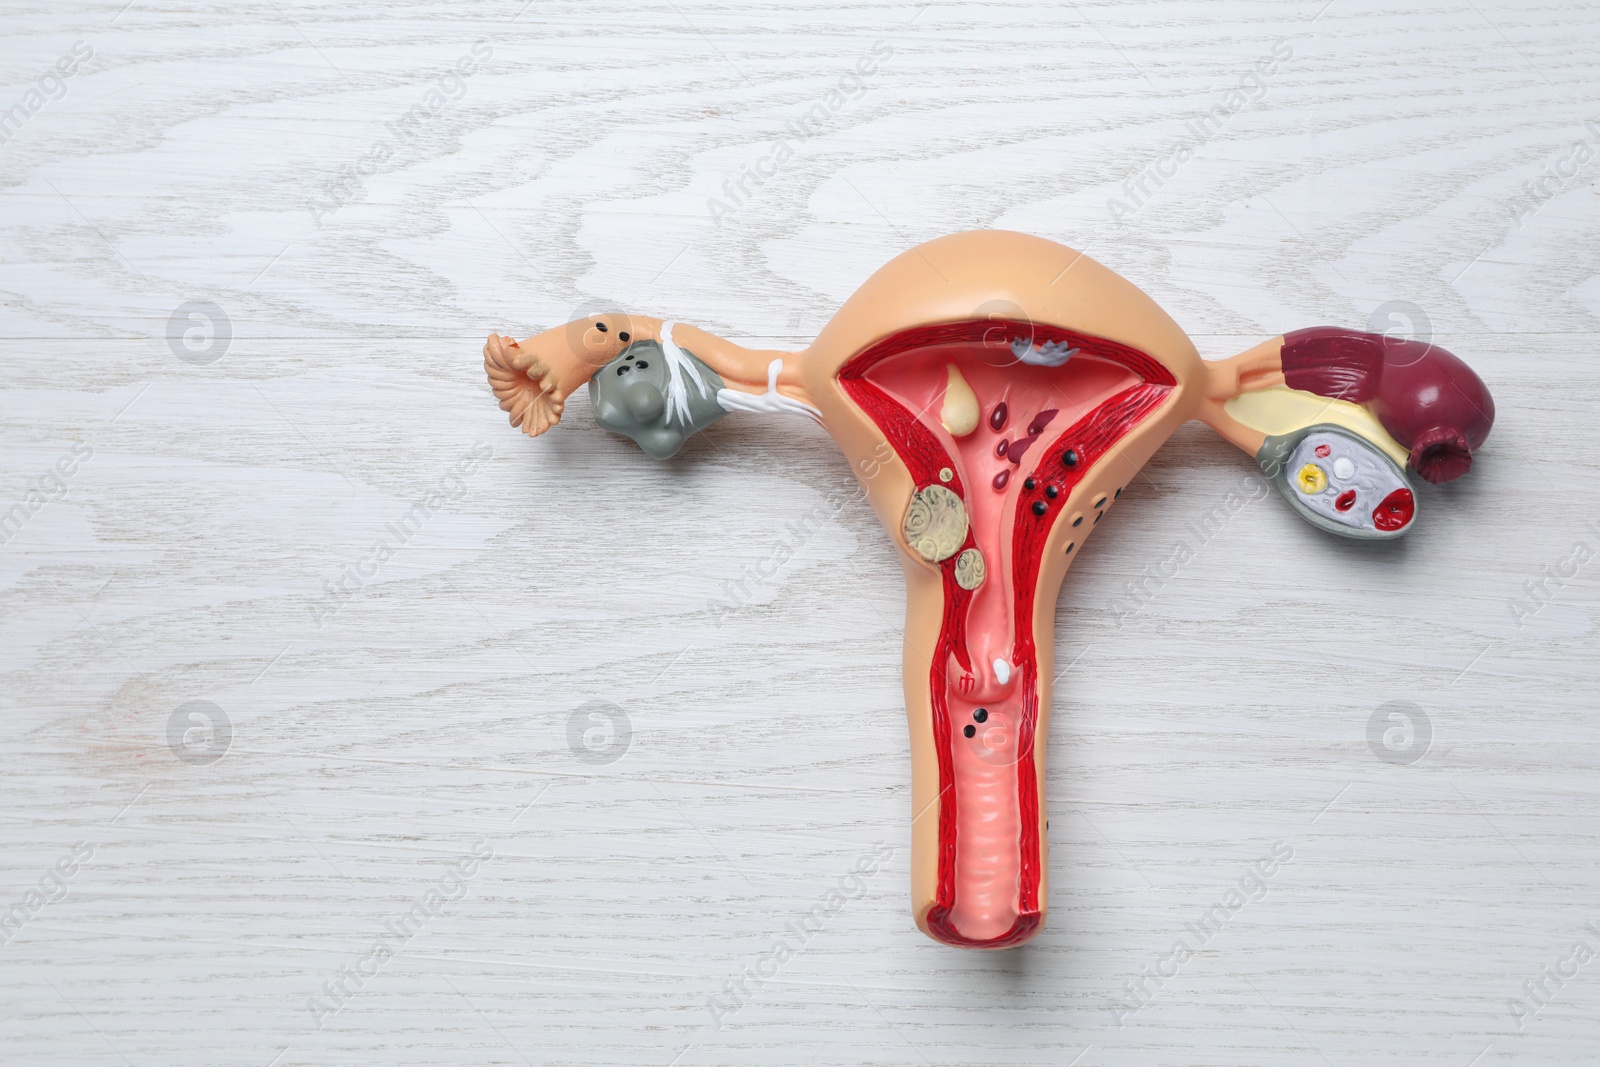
[{"x": 994, "y": 393}]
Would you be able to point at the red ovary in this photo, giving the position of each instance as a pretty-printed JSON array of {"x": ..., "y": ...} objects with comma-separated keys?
[
  {"x": 1430, "y": 401},
  {"x": 989, "y": 820}
]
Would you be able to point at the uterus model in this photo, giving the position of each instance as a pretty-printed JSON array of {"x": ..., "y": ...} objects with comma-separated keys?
[{"x": 994, "y": 394}]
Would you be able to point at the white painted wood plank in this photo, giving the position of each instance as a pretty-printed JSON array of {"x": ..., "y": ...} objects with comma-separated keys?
[{"x": 1387, "y": 159}]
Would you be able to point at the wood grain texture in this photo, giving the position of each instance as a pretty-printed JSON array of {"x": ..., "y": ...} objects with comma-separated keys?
[{"x": 199, "y": 156}]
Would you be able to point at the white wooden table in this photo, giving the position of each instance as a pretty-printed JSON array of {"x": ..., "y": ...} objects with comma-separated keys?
[{"x": 286, "y": 873}]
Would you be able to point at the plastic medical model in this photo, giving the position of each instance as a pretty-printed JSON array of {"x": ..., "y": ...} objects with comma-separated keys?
[{"x": 994, "y": 394}]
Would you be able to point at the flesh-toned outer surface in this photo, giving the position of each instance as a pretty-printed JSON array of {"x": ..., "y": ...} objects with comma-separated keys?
[
  {"x": 1427, "y": 398},
  {"x": 1003, "y": 280}
]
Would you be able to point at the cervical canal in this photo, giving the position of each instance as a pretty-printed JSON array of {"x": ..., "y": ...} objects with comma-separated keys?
[{"x": 1014, "y": 466}]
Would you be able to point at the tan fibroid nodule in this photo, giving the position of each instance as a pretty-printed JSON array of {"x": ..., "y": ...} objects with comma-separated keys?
[{"x": 994, "y": 393}]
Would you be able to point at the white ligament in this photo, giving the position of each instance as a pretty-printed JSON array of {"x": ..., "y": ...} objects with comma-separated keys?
[
  {"x": 771, "y": 402},
  {"x": 681, "y": 370}
]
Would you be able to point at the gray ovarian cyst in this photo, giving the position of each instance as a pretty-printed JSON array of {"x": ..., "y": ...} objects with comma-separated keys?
[{"x": 630, "y": 396}]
